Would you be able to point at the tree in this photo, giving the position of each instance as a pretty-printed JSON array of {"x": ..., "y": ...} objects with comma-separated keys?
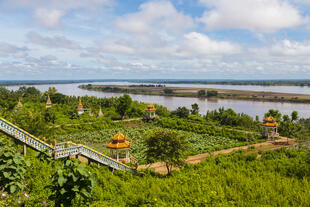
[
  {"x": 182, "y": 112},
  {"x": 286, "y": 118},
  {"x": 294, "y": 116},
  {"x": 195, "y": 109},
  {"x": 212, "y": 93},
  {"x": 51, "y": 90},
  {"x": 274, "y": 113},
  {"x": 123, "y": 105},
  {"x": 168, "y": 91},
  {"x": 50, "y": 115},
  {"x": 201, "y": 93},
  {"x": 166, "y": 146}
]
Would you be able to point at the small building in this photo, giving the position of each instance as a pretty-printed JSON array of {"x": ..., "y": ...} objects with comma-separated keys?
[
  {"x": 100, "y": 114},
  {"x": 48, "y": 102},
  {"x": 119, "y": 148},
  {"x": 150, "y": 112},
  {"x": 270, "y": 128},
  {"x": 80, "y": 107}
]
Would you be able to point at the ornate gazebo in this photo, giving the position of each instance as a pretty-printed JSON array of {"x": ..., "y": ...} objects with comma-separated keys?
[
  {"x": 118, "y": 146},
  {"x": 270, "y": 128},
  {"x": 150, "y": 112}
]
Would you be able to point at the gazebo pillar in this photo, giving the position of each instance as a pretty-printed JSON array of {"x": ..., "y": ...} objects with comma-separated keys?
[
  {"x": 117, "y": 155},
  {"x": 127, "y": 155}
]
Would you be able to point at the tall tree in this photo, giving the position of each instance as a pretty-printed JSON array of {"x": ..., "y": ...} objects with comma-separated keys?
[
  {"x": 195, "y": 109},
  {"x": 166, "y": 146},
  {"x": 294, "y": 116},
  {"x": 182, "y": 112},
  {"x": 123, "y": 104}
]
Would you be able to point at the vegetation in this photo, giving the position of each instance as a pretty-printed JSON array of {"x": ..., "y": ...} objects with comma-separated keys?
[
  {"x": 166, "y": 146},
  {"x": 168, "y": 91},
  {"x": 201, "y": 93},
  {"x": 123, "y": 105},
  {"x": 71, "y": 181},
  {"x": 277, "y": 178},
  {"x": 12, "y": 170}
]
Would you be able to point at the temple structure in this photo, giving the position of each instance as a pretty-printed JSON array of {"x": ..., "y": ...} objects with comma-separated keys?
[
  {"x": 48, "y": 102},
  {"x": 119, "y": 148},
  {"x": 80, "y": 107},
  {"x": 150, "y": 112},
  {"x": 270, "y": 128},
  {"x": 19, "y": 104},
  {"x": 100, "y": 114}
]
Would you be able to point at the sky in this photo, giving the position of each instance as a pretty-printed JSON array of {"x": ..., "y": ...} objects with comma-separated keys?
[{"x": 168, "y": 39}]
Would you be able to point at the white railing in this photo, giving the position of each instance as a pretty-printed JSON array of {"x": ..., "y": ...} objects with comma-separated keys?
[{"x": 61, "y": 150}]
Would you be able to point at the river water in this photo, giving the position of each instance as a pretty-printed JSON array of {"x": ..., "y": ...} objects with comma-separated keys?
[{"x": 252, "y": 108}]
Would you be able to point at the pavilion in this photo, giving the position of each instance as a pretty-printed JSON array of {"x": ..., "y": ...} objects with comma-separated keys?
[
  {"x": 150, "y": 112},
  {"x": 270, "y": 128},
  {"x": 118, "y": 146}
]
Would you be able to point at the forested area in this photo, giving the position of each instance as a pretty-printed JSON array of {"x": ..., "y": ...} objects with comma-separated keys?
[
  {"x": 278, "y": 178},
  {"x": 275, "y": 178}
]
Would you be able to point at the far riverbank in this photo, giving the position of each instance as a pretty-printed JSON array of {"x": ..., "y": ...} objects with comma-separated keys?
[{"x": 160, "y": 90}]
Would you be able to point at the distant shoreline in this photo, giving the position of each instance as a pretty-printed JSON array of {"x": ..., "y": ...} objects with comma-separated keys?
[
  {"x": 193, "y": 92},
  {"x": 301, "y": 83}
]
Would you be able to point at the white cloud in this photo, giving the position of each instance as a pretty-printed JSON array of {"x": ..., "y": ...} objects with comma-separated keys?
[
  {"x": 285, "y": 49},
  {"x": 254, "y": 15},
  {"x": 48, "y": 18},
  {"x": 200, "y": 44},
  {"x": 52, "y": 42},
  {"x": 291, "y": 48},
  {"x": 155, "y": 16},
  {"x": 48, "y": 13}
]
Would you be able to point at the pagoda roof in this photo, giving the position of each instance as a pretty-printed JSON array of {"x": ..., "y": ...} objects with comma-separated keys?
[
  {"x": 151, "y": 108},
  {"x": 270, "y": 122},
  {"x": 119, "y": 142}
]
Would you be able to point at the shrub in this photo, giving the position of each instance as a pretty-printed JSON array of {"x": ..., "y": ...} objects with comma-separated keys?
[
  {"x": 12, "y": 170},
  {"x": 71, "y": 181}
]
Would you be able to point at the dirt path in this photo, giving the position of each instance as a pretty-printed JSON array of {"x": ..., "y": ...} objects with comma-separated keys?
[
  {"x": 127, "y": 120},
  {"x": 160, "y": 167}
]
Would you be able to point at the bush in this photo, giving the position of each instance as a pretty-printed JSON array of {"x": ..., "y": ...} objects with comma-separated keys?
[
  {"x": 71, "y": 181},
  {"x": 12, "y": 170}
]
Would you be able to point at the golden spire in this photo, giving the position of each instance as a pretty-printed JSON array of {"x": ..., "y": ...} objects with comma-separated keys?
[
  {"x": 100, "y": 114},
  {"x": 80, "y": 101},
  {"x": 19, "y": 104},
  {"x": 48, "y": 102}
]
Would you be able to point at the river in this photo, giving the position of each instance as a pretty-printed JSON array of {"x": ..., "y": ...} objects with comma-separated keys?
[{"x": 252, "y": 108}]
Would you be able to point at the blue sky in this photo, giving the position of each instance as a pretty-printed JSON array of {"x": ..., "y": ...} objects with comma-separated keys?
[{"x": 203, "y": 39}]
